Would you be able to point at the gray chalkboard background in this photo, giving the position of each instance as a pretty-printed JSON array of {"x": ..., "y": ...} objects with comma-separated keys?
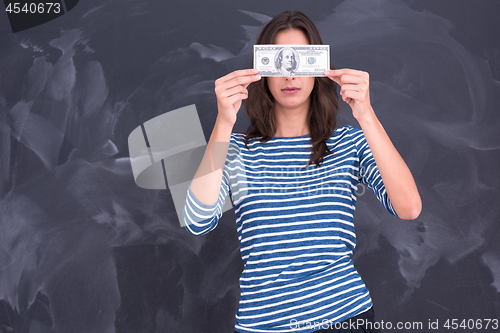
[{"x": 83, "y": 249}]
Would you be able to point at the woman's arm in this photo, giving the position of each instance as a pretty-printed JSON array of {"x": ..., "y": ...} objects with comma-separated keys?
[
  {"x": 230, "y": 90},
  {"x": 397, "y": 178},
  {"x": 207, "y": 180}
]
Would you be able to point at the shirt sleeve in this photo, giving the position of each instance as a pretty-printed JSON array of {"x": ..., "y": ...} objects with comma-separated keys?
[
  {"x": 368, "y": 170},
  {"x": 200, "y": 218}
]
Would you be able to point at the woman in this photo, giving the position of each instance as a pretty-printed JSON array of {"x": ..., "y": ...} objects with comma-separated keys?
[{"x": 295, "y": 219}]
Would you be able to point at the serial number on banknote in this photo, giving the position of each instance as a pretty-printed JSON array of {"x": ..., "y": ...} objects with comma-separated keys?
[{"x": 291, "y": 60}]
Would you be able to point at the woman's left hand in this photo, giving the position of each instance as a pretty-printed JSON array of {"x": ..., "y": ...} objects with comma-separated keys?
[{"x": 354, "y": 89}]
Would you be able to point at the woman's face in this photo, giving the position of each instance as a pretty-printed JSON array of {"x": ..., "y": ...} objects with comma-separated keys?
[{"x": 280, "y": 85}]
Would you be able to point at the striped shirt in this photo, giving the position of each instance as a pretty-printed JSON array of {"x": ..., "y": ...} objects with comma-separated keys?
[{"x": 296, "y": 229}]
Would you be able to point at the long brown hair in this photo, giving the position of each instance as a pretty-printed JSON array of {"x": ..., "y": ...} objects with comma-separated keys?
[{"x": 322, "y": 114}]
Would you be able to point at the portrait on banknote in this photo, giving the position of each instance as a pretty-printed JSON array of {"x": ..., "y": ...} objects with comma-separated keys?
[{"x": 287, "y": 61}]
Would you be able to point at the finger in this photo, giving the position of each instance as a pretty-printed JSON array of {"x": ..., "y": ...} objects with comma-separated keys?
[
  {"x": 234, "y": 90},
  {"x": 247, "y": 84},
  {"x": 340, "y": 76},
  {"x": 351, "y": 79},
  {"x": 350, "y": 75},
  {"x": 344, "y": 71},
  {"x": 234, "y": 99},
  {"x": 355, "y": 95},
  {"x": 242, "y": 80},
  {"x": 238, "y": 73},
  {"x": 235, "y": 82},
  {"x": 350, "y": 86},
  {"x": 334, "y": 78},
  {"x": 336, "y": 72},
  {"x": 348, "y": 100}
]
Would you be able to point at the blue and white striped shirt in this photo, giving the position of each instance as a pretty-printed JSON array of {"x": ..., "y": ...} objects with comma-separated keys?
[{"x": 295, "y": 226}]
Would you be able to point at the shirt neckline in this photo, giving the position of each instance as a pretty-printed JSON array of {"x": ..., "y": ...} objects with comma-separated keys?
[{"x": 291, "y": 137}]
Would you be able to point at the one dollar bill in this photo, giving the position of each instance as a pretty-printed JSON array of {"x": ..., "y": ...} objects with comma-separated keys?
[{"x": 291, "y": 60}]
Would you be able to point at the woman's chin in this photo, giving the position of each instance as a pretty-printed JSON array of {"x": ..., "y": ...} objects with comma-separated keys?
[{"x": 291, "y": 104}]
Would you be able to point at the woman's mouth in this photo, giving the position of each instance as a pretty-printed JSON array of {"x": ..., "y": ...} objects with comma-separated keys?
[{"x": 290, "y": 90}]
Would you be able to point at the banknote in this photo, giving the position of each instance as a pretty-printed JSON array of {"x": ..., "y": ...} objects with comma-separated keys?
[{"x": 291, "y": 60}]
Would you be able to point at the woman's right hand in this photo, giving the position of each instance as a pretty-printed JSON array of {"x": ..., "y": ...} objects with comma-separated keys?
[{"x": 231, "y": 89}]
